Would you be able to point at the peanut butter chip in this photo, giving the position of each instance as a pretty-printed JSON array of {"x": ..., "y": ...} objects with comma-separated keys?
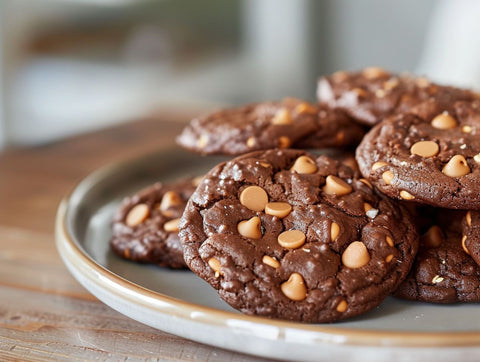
[
  {"x": 464, "y": 238},
  {"x": 282, "y": 117},
  {"x": 250, "y": 228},
  {"x": 374, "y": 72},
  {"x": 387, "y": 177},
  {"x": 389, "y": 258},
  {"x": 169, "y": 199},
  {"x": 305, "y": 108},
  {"x": 294, "y": 288},
  {"x": 278, "y": 209},
  {"x": 268, "y": 260},
  {"x": 171, "y": 225},
  {"x": 137, "y": 215},
  {"x": 342, "y": 306},
  {"x": 406, "y": 195},
  {"x": 467, "y": 129},
  {"x": 433, "y": 237},
  {"x": 254, "y": 197},
  {"x": 378, "y": 164},
  {"x": 355, "y": 255},
  {"x": 334, "y": 231},
  {"x": 304, "y": 164},
  {"x": 444, "y": 121},
  {"x": 202, "y": 141},
  {"x": 366, "y": 182},
  {"x": 251, "y": 142},
  {"x": 291, "y": 239},
  {"x": 215, "y": 265},
  {"x": 336, "y": 186},
  {"x": 456, "y": 167},
  {"x": 284, "y": 142},
  {"x": 389, "y": 241},
  {"x": 425, "y": 149},
  {"x": 468, "y": 217}
]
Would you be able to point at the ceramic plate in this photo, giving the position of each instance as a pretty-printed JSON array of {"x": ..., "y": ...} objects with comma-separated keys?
[{"x": 180, "y": 303}]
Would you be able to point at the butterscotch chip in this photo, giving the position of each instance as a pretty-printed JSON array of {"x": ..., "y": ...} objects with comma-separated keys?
[
  {"x": 355, "y": 255},
  {"x": 366, "y": 182},
  {"x": 250, "y": 228},
  {"x": 294, "y": 288},
  {"x": 388, "y": 177},
  {"x": 342, "y": 306},
  {"x": 433, "y": 237},
  {"x": 336, "y": 186},
  {"x": 468, "y": 218},
  {"x": 291, "y": 239},
  {"x": 444, "y": 121},
  {"x": 334, "y": 231},
  {"x": 389, "y": 241},
  {"x": 367, "y": 207},
  {"x": 467, "y": 129},
  {"x": 202, "y": 141},
  {"x": 456, "y": 167},
  {"x": 305, "y": 108},
  {"x": 425, "y": 149},
  {"x": 268, "y": 260},
  {"x": 137, "y": 215},
  {"x": 278, "y": 209},
  {"x": 282, "y": 117},
  {"x": 284, "y": 142},
  {"x": 378, "y": 164},
  {"x": 214, "y": 263},
  {"x": 464, "y": 239},
  {"x": 389, "y": 258},
  {"x": 406, "y": 195},
  {"x": 251, "y": 141},
  {"x": 304, "y": 164},
  {"x": 169, "y": 199},
  {"x": 172, "y": 225},
  {"x": 374, "y": 72},
  {"x": 254, "y": 197},
  {"x": 265, "y": 164}
]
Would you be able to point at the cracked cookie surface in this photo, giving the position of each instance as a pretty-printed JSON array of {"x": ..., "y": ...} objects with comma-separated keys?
[
  {"x": 145, "y": 227},
  {"x": 434, "y": 160},
  {"x": 258, "y": 126},
  {"x": 285, "y": 234},
  {"x": 370, "y": 95},
  {"x": 443, "y": 272}
]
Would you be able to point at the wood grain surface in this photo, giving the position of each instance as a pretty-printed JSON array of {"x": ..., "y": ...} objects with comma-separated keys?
[{"x": 44, "y": 313}]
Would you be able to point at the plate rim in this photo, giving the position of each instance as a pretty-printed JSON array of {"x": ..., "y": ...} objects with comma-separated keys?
[{"x": 73, "y": 252}]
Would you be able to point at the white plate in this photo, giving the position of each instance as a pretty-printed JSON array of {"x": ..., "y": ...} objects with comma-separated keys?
[{"x": 180, "y": 303}]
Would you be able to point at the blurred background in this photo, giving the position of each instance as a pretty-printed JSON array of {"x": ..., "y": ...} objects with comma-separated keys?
[{"x": 76, "y": 66}]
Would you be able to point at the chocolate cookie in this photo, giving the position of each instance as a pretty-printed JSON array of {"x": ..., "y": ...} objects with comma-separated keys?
[
  {"x": 471, "y": 234},
  {"x": 372, "y": 94},
  {"x": 443, "y": 272},
  {"x": 285, "y": 234},
  {"x": 145, "y": 227},
  {"x": 268, "y": 125},
  {"x": 433, "y": 161}
]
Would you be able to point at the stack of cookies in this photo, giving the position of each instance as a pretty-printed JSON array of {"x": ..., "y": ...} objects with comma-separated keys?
[{"x": 285, "y": 233}]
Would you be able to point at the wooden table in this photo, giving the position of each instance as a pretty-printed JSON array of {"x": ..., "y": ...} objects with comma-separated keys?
[{"x": 44, "y": 313}]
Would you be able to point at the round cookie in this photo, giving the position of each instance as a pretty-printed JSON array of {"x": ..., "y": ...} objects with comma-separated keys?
[
  {"x": 434, "y": 161},
  {"x": 471, "y": 234},
  {"x": 372, "y": 94},
  {"x": 284, "y": 234},
  {"x": 259, "y": 126},
  {"x": 145, "y": 227},
  {"x": 443, "y": 272}
]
